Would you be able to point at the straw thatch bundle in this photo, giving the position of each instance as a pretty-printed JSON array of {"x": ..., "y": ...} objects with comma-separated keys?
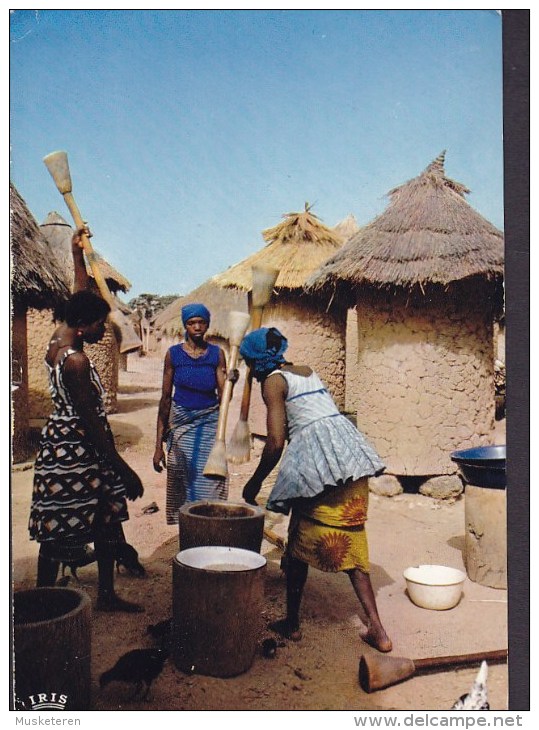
[
  {"x": 427, "y": 235},
  {"x": 36, "y": 279},
  {"x": 296, "y": 246},
  {"x": 218, "y": 300},
  {"x": 58, "y": 233}
]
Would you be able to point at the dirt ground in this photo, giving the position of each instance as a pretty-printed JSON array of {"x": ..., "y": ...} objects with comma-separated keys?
[{"x": 321, "y": 671}]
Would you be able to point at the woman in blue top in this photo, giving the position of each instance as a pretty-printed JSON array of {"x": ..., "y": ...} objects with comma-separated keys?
[{"x": 187, "y": 420}]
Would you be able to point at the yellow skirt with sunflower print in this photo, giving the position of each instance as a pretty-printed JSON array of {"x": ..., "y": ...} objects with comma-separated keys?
[{"x": 328, "y": 532}]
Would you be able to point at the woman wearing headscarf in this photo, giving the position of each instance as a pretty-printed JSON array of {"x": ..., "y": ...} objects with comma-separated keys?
[
  {"x": 322, "y": 479},
  {"x": 193, "y": 378}
]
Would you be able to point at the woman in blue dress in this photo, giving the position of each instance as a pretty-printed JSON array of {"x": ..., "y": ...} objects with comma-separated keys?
[{"x": 194, "y": 375}]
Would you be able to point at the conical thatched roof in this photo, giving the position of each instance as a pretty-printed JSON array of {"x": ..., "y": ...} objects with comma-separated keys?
[
  {"x": 218, "y": 300},
  {"x": 36, "y": 278},
  {"x": 58, "y": 233},
  {"x": 428, "y": 234},
  {"x": 346, "y": 228},
  {"x": 296, "y": 247}
]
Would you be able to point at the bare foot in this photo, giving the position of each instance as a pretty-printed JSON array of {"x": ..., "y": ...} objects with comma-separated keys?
[
  {"x": 377, "y": 638},
  {"x": 287, "y": 630}
]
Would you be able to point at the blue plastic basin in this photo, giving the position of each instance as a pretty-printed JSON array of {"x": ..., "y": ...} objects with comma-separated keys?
[{"x": 483, "y": 466}]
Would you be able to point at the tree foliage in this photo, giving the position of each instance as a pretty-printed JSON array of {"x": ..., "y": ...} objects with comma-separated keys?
[{"x": 151, "y": 304}]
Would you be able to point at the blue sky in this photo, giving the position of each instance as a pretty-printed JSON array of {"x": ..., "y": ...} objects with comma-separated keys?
[{"x": 189, "y": 132}]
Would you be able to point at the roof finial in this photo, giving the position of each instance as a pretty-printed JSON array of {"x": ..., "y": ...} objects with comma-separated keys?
[{"x": 437, "y": 165}]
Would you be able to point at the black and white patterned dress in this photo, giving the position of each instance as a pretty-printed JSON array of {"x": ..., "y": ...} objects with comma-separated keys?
[{"x": 72, "y": 485}]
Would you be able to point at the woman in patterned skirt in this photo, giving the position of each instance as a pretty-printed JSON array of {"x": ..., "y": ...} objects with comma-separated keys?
[
  {"x": 323, "y": 479},
  {"x": 80, "y": 481},
  {"x": 194, "y": 375}
]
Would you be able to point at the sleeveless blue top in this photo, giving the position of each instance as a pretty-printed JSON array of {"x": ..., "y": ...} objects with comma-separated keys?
[{"x": 195, "y": 379}]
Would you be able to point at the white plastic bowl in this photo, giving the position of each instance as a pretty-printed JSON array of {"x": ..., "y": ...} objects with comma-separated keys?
[{"x": 434, "y": 586}]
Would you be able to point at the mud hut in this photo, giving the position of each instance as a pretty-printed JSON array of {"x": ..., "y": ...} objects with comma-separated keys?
[
  {"x": 105, "y": 354},
  {"x": 346, "y": 229},
  {"x": 427, "y": 275},
  {"x": 315, "y": 327},
  {"x": 37, "y": 285}
]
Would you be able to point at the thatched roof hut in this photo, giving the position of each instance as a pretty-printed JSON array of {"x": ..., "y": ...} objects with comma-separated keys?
[
  {"x": 296, "y": 246},
  {"x": 36, "y": 280},
  {"x": 315, "y": 329},
  {"x": 105, "y": 354},
  {"x": 346, "y": 228},
  {"x": 36, "y": 285},
  {"x": 427, "y": 276},
  {"x": 58, "y": 233},
  {"x": 428, "y": 235}
]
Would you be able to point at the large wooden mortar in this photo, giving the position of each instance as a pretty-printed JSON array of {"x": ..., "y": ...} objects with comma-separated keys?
[
  {"x": 52, "y": 643},
  {"x": 485, "y": 516},
  {"x": 485, "y": 513},
  {"x": 217, "y": 605},
  {"x": 215, "y": 522}
]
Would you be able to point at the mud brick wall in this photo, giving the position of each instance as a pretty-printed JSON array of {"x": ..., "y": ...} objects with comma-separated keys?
[
  {"x": 40, "y": 329},
  {"x": 351, "y": 399},
  {"x": 424, "y": 380},
  {"x": 315, "y": 338},
  {"x": 104, "y": 355},
  {"x": 19, "y": 397}
]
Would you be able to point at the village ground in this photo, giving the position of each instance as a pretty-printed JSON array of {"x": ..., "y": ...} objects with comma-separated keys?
[{"x": 321, "y": 671}]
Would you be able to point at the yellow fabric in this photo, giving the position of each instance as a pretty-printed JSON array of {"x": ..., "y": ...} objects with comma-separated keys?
[{"x": 328, "y": 532}]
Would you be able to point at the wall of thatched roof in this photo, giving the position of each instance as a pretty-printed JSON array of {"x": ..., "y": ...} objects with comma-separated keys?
[
  {"x": 425, "y": 378},
  {"x": 36, "y": 279},
  {"x": 58, "y": 234},
  {"x": 19, "y": 397},
  {"x": 104, "y": 355},
  {"x": 38, "y": 283},
  {"x": 428, "y": 235}
]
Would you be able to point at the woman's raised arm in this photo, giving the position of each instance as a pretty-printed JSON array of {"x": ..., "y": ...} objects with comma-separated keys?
[{"x": 82, "y": 280}]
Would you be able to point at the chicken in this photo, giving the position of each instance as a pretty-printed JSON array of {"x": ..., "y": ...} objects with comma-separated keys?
[
  {"x": 87, "y": 557},
  {"x": 127, "y": 556},
  {"x": 476, "y": 699},
  {"x": 139, "y": 667},
  {"x": 162, "y": 632}
]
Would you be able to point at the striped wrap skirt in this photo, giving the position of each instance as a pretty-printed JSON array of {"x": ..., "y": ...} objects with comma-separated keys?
[{"x": 189, "y": 440}]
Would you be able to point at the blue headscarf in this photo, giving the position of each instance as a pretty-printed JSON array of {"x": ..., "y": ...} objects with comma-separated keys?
[
  {"x": 263, "y": 358},
  {"x": 195, "y": 310}
]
